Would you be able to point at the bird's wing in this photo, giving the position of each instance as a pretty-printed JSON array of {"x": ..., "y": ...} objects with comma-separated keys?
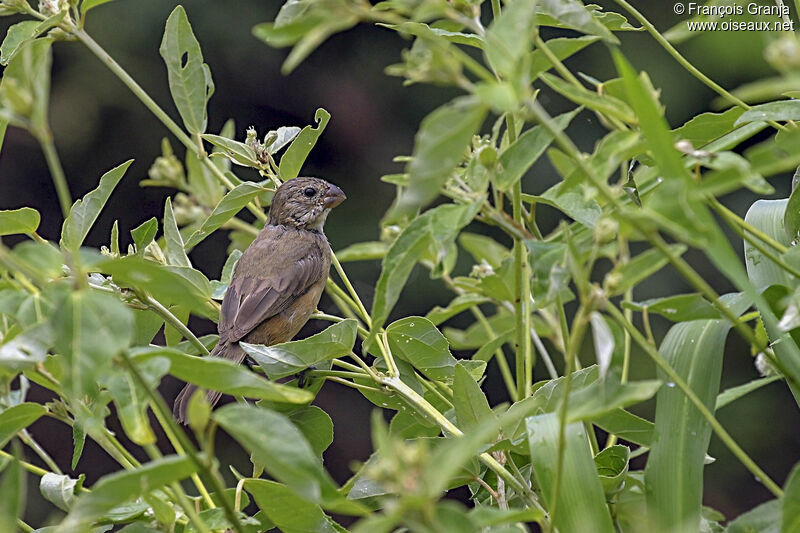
[{"x": 271, "y": 274}]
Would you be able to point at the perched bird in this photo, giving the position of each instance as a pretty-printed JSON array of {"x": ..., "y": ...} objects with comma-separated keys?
[{"x": 279, "y": 279}]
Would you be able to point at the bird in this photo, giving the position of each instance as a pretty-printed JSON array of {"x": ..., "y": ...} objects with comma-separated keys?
[{"x": 277, "y": 283}]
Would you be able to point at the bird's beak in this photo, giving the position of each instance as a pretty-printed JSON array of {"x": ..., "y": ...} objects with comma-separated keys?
[{"x": 334, "y": 197}]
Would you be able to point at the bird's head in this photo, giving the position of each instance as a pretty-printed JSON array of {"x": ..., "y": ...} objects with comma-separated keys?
[{"x": 304, "y": 203}]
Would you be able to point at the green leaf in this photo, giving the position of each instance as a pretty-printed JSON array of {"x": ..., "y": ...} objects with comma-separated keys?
[
  {"x": 168, "y": 284},
  {"x": 782, "y": 110},
  {"x": 612, "y": 466},
  {"x": 294, "y": 156},
  {"x": 641, "y": 267},
  {"x": 460, "y": 303},
  {"x": 509, "y": 36},
  {"x": 581, "y": 502},
  {"x": 189, "y": 78},
  {"x": 277, "y": 444},
  {"x": 678, "y": 308},
  {"x": 791, "y": 217},
  {"x": 707, "y": 127},
  {"x": 471, "y": 406},
  {"x": 734, "y": 393},
  {"x": 562, "y": 48},
  {"x": 485, "y": 517},
  {"x": 120, "y": 487},
  {"x": 226, "y": 209},
  {"x": 22, "y": 220},
  {"x": 765, "y": 518},
  {"x": 602, "y": 103},
  {"x": 573, "y": 14},
  {"x": 84, "y": 212},
  {"x": 572, "y": 201},
  {"x": 439, "y": 146},
  {"x": 16, "y": 418},
  {"x": 626, "y": 426},
  {"x": 239, "y": 153},
  {"x": 694, "y": 350},
  {"x": 225, "y": 376},
  {"x": 91, "y": 328},
  {"x": 523, "y": 153},
  {"x": 26, "y": 349},
  {"x": 484, "y": 248},
  {"x": 415, "y": 339},
  {"x": 25, "y": 87},
  {"x": 315, "y": 424},
  {"x": 285, "y": 359},
  {"x": 131, "y": 399},
  {"x": 363, "y": 251},
  {"x": 437, "y": 229},
  {"x": 12, "y": 496},
  {"x": 144, "y": 234},
  {"x": 172, "y": 236},
  {"x": 86, "y": 5},
  {"x": 78, "y": 441},
  {"x": 286, "y": 510},
  {"x": 790, "y": 523}
]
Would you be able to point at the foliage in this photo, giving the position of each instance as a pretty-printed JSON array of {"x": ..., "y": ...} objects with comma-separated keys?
[{"x": 80, "y": 322}]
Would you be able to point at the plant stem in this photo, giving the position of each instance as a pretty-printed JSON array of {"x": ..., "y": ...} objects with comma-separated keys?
[
  {"x": 343, "y": 275},
  {"x": 734, "y": 220},
  {"x": 23, "y": 526},
  {"x": 28, "y": 439},
  {"x": 33, "y": 469},
  {"x": 173, "y": 321},
  {"x": 674, "y": 377},
  {"x": 499, "y": 355},
  {"x": 56, "y": 171}
]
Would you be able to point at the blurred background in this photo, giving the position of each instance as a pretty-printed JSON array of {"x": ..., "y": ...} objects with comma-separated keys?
[{"x": 98, "y": 123}]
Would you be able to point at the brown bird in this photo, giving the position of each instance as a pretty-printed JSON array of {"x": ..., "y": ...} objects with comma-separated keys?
[{"x": 279, "y": 279}]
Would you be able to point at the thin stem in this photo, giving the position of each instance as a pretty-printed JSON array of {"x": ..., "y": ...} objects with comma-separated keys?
[
  {"x": 764, "y": 250},
  {"x": 33, "y": 469},
  {"x": 56, "y": 171},
  {"x": 734, "y": 219},
  {"x": 674, "y": 377},
  {"x": 354, "y": 385},
  {"x": 499, "y": 355},
  {"x": 337, "y": 373},
  {"x": 28, "y": 439},
  {"x": 23, "y": 526},
  {"x": 174, "y": 321},
  {"x": 343, "y": 275}
]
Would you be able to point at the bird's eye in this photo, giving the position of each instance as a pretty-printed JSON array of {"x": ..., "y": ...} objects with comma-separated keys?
[{"x": 310, "y": 192}]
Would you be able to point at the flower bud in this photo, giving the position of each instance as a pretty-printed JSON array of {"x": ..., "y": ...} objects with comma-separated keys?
[
  {"x": 153, "y": 253},
  {"x": 605, "y": 230}
]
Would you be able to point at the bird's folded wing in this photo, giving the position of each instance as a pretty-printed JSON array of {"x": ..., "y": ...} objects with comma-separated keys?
[{"x": 254, "y": 296}]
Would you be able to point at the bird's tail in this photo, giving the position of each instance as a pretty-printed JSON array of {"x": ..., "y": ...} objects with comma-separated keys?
[{"x": 230, "y": 351}]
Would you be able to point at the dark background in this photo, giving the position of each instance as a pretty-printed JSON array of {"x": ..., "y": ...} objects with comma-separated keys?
[{"x": 98, "y": 123}]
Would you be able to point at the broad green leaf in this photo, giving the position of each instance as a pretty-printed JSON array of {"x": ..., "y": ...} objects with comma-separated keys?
[
  {"x": 562, "y": 48},
  {"x": 22, "y": 32},
  {"x": 470, "y": 403},
  {"x": 707, "y": 127},
  {"x": 523, "y": 153},
  {"x": 580, "y": 500},
  {"x": 78, "y": 442},
  {"x": 144, "y": 233},
  {"x": 439, "y": 146},
  {"x": 612, "y": 465},
  {"x": 416, "y": 340},
  {"x": 602, "y": 103},
  {"x": 694, "y": 350},
  {"x": 174, "y": 250},
  {"x": 423, "y": 30},
  {"x": 91, "y": 328},
  {"x": 170, "y": 285},
  {"x": 315, "y": 424},
  {"x": 436, "y": 228},
  {"x": 626, "y": 426},
  {"x": 678, "y": 308},
  {"x": 603, "y": 342},
  {"x": 120, "y": 487},
  {"x": 131, "y": 399},
  {"x": 573, "y": 202},
  {"x": 790, "y": 522},
  {"x": 285, "y": 359},
  {"x": 782, "y": 110},
  {"x": 734, "y": 393},
  {"x": 190, "y": 80},
  {"x": 641, "y": 267},
  {"x": 25, "y": 87},
  {"x": 226, "y": 209},
  {"x": 573, "y": 14},
  {"x": 509, "y": 36},
  {"x": 22, "y": 220},
  {"x": 26, "y": 349},
  {"x": 12, "y": 496},
  {"x": 485, "y": 516},
  {"x": 294, "y": 156},
  {"x": 777, "y": 154},
  {"x": 791, "y": 217},
  {"x": 484, "y": 248},
  {"x": 765, "y": 518},
  {"x": 221, "y": 287},
  {"x": 84, "y": 212},
  {"x": 239, "y": 153},
  {"x": 224, "y": 376},
  {"x": 16, "y": 418},
  {"x": 86, "y": 5},
  {"x": 289, "y": 512},
  {"x": 277, "y": 444},
  {"x": 363, "y": 251}
]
